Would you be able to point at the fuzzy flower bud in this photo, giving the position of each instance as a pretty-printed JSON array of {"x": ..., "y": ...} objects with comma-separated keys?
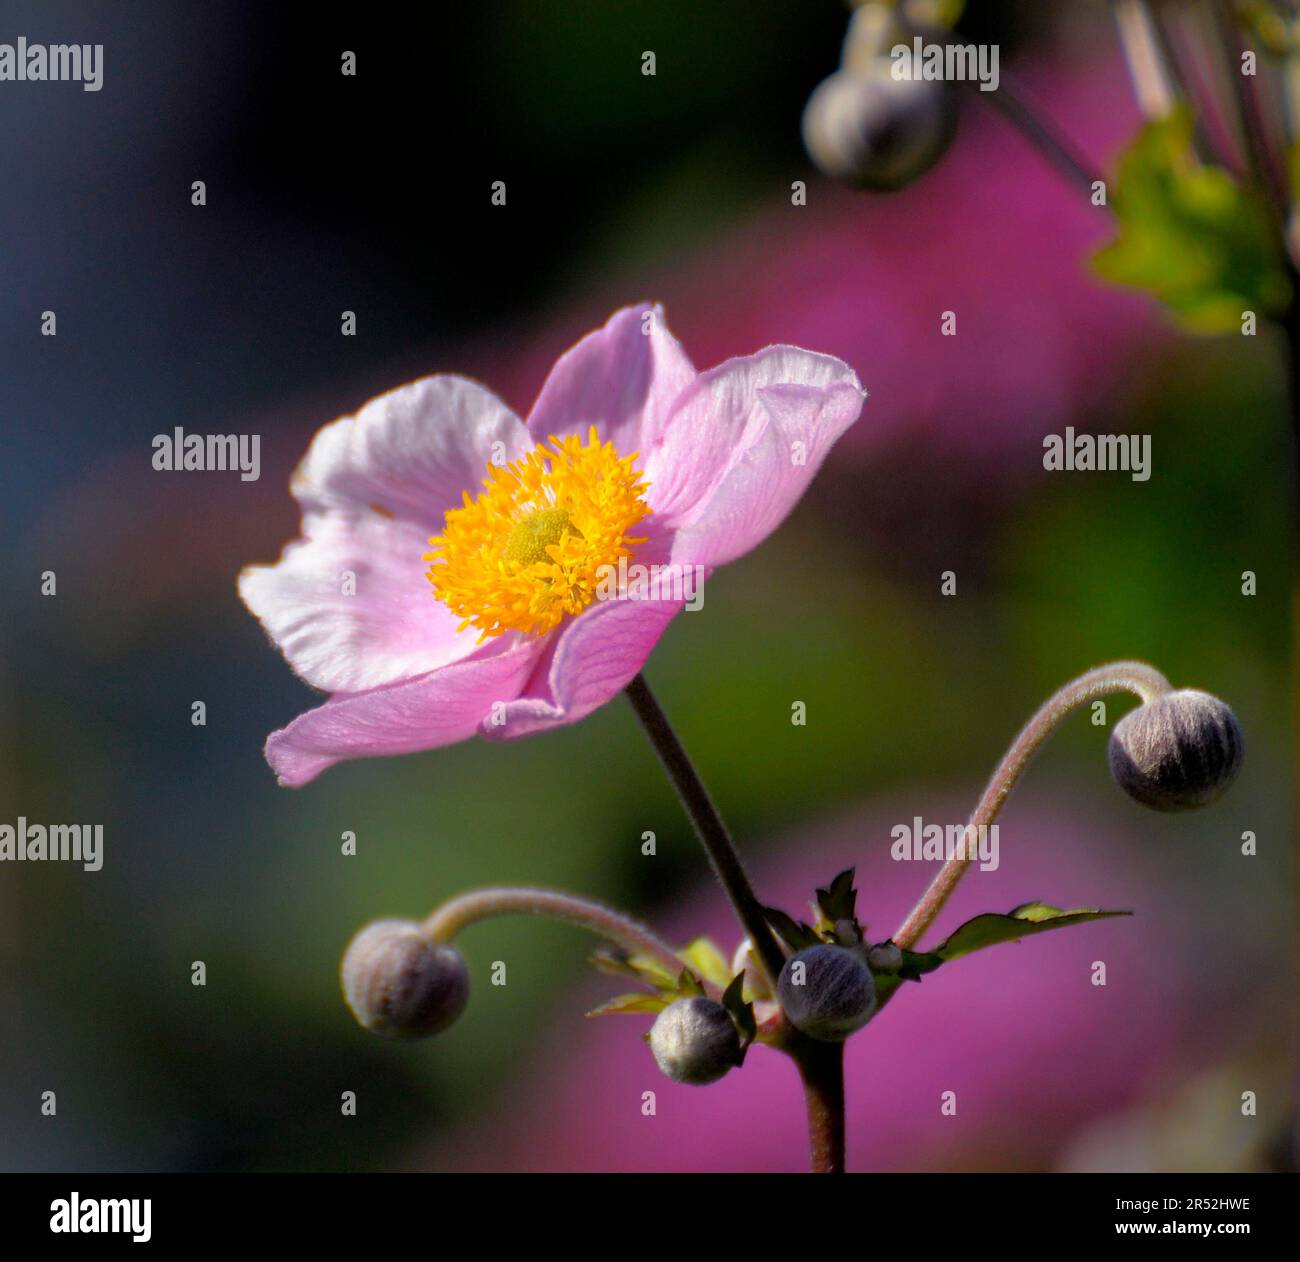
[
  {"x": 873, "y": 131},
  {"x": 1176, "y": 752},
  {"x": 695, "y": 1040},
  {"x": 827, "y": 992},
  {"x": 397, "y": 982}
]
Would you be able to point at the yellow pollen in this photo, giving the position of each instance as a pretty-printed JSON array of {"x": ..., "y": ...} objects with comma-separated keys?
[
  {"x": 534, "y": 533},
  {"x": 535, "y": 544}
]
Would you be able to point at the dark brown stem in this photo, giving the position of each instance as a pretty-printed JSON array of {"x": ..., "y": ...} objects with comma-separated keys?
[
  {"x": 1050, "y": 143},
  {"x": 821, "y": 1066},
  {"x": 708, "y": 825}
]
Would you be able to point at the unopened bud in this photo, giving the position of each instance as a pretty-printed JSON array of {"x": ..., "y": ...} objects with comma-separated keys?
[
  {"x": 885, "y": 957},
  {"x": 1178, "y": 751},
  {"x": 827, "y": 992},
  {"x": 695, "y": 1040},
  {"x": 397, "y": 982},
  {"x": 873, "y": 131}
]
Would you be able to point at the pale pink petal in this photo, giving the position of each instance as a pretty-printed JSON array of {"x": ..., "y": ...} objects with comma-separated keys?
[
  {"x": 411, "y": 452},
  {"x": 374, "y": 487},
  {"x": 350, "y": 608},
  {"x": 590, "y": 661},
  {"x": 623, "y": 378},
  {"x": 742, "y": 445},
  {"x": 437, "y": 709}
]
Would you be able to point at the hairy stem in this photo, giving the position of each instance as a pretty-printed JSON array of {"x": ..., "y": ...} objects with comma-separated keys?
[
  {"x": 445, "y": 922},
  {"x": 821, "y": 1066},
  {"x": 1144, "y": 681},
  {"x": 708, "y": 825},
  {"x": 1050, "y": 143}
]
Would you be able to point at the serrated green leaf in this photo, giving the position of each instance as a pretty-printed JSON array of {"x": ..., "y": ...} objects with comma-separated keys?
[
  {"x": 689, "y": 985},
  {"x": 794, "y": 933},
  {"x": 631, "y": 1003},
  {"x": 1190, "y": 234},
  {"x": 1029, "y": 918},
  {"x": 839, "y": 899},
  {"x": 707, "y": 961},
  {"x": 742, "y": 1013}
]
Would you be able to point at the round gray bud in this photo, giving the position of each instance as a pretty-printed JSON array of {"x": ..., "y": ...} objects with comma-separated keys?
[
  {"x": 1178, "y": 751},
  {"x": 399, "y": 983},
  {"x": 695, "y": 1041},
  {"x": 873, "y": 131},
  {"x": 827, "y": 992}
]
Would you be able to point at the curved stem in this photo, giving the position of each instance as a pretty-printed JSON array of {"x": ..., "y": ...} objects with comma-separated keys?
[
  {"x": 1144, "y": 681},
  {"x": 708, "y": 825},
  {"x": 445, "y": 922}
]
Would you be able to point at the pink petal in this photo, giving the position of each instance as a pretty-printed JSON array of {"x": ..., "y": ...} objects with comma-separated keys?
[
  {"x": 374, "y": 487},
  {"x": 742, "y": 445},
  {"x": 391, "y": 628},
  {"x": 412, "y": 451},
  {"x": 440, "y": 708},
  {"x": 590, "y": 661},
  {"x": 623, "y": 378}
]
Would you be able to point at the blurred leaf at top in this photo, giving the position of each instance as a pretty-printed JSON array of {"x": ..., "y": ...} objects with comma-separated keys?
[{"x": 1190, "y": 234}]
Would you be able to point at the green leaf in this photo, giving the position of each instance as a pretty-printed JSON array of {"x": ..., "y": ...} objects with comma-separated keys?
[
  {"x": 707, "y": 961},
  {"x": 917, "y": 963},
  {"x": 1029, "y": 918},
  {"x": 631, "y": 1003},
  {"x": 689, "y": 985},
  {"x": 621, "y": 962},
  {"x": 985, "y": 931},
  {"x": 794, "y": 933},
  {"x": 742, "y": 1013},
  {"x": 838, "y": 901},
  {"x": 1190, "y": 234}
]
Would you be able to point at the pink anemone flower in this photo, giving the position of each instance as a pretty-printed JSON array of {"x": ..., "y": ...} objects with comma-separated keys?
[{"x": 463, "y": 571}]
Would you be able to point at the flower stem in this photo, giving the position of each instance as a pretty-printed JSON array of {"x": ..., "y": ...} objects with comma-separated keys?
[
  {"x": 445, "y": 922},
  {"x": 821, "y": 1066},
  {"x": 1050, "y": 143},
  {"x": 1136, "y": 677},
  {"x": 1139, "y": 36},
  {"x": 708, "y": 825}
]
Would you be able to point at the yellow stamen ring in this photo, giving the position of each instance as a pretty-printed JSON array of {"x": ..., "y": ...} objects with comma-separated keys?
[{"x": 531, "y": 549}]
